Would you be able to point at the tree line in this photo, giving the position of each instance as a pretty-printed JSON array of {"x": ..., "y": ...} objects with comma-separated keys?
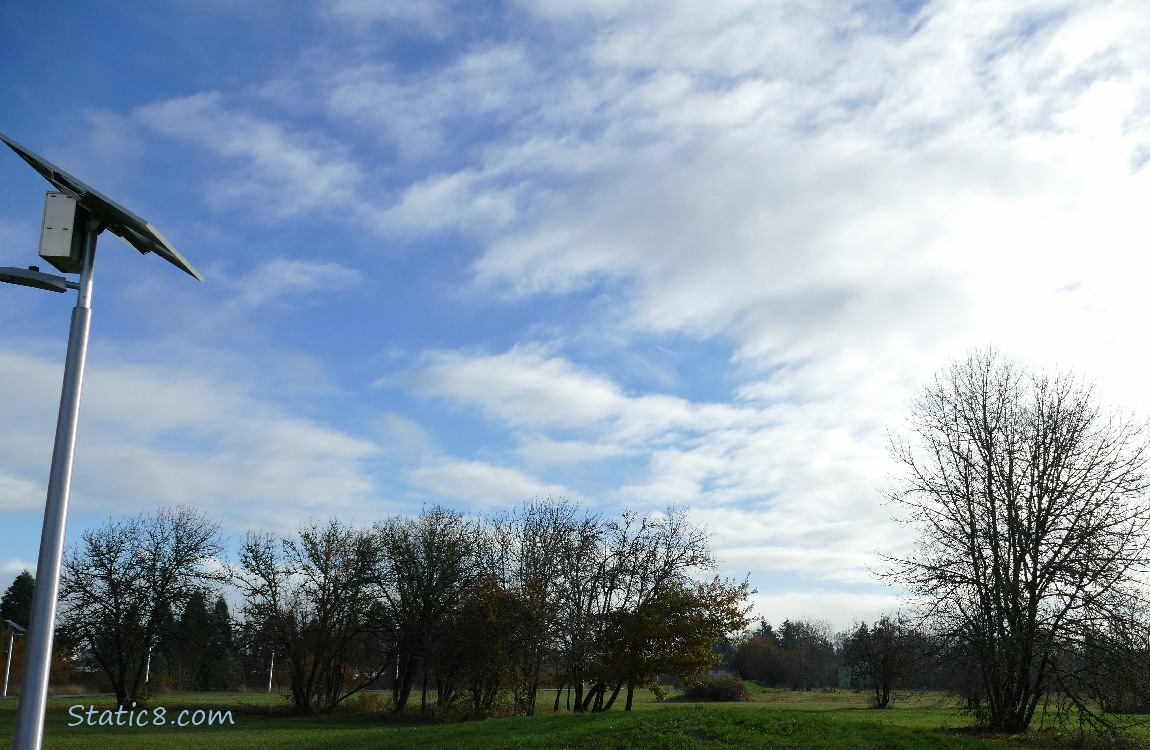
[
  {"x": 442, "y": 608},
  {"x": 888, "y": 656}
]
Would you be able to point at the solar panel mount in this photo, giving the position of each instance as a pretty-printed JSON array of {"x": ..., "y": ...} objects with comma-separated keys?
[{"x": 121, "y": 222}]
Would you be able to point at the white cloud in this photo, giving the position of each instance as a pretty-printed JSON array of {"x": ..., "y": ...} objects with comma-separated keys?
[
  {"x": 12, "y": 567},
  {"x": 27, "y": 421},
  {"x": 399, "y": 435},
  {"x": 18, "y": 494},
  {"x": 420, "y": 115},
  {"x": 283, "y": 277},
  {"x": 845, "y": 197},
  {"x": 284, "y": 174},
  {"x": 838, "y": 607},
  {"x": 785, "y": 486},
  {"x": 150, "y": 437},
  {"x": 856, "y": 201},
  {"x": 480, "y": 484},
  {"x": 888, "y": 183},
  {"x": 527, "y": 387},
  {"x": 429, "y": 16},
  {"x": 850, "y": 197},
  {"x": 544, "y": 451},
  {"x": 449, "y": 201},
  {"x": 522, "y": 387}
]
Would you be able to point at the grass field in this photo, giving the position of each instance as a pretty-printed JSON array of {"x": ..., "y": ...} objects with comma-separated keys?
[{"x": 774, "y": 719}]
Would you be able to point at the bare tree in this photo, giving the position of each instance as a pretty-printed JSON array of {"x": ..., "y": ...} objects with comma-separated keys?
[
  {"x": 1030, "y": 502},
  {"x": 124, "y": 579},
  {"x": 427, "y": 565},
  {"x": 309, "y": 599},
  {"x": 578, "y": 551},
  {"x": 527, "y": 550}
]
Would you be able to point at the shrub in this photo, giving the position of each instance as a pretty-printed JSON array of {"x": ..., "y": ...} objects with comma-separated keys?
[
  {"x": 373, "y": 702},
  {"x": 717, "y": 688}
]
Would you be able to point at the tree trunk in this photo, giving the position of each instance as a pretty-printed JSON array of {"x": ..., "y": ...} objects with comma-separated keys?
[
  {"x": 407, "y": 680},
  {"x": 614, "y": 695}
]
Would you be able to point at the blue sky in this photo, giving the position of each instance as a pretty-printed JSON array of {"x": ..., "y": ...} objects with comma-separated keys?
[{"x": 632, "y": 253}]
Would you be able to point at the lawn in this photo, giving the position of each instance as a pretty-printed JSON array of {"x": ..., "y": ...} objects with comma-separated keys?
[{"x": 774, "y": 719}]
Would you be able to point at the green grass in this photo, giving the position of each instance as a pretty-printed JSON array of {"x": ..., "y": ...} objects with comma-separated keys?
[{"x": 774, "y": 719}]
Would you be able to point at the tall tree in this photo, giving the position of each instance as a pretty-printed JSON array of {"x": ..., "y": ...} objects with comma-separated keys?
[
  {"x": 808, "y": 653},
  {"x": 222, "y": 669},
  {"x": 1031, "y": 506},
  {"x": 488, "y": 629},
  {"x": 121, "y": 583},
  {"x": 16, "y": 604},
  {"x": 309, "y": 599},
  {"x": 427, "y": 565},
  {"x": 185, "y": 650},
  {"x": 527, "y": 551},
  {"x": 579, "y": 551}
]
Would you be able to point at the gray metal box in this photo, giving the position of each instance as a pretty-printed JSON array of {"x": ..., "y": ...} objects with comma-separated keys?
[{"x": 61, "y": 243}]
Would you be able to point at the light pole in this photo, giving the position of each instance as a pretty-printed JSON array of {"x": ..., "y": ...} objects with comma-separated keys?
[
  {"x": 13, "y": 630},
  {"x": 73, "y": 218}
]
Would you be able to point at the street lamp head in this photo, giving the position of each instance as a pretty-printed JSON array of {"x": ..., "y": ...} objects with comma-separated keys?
[
  {"x": 32, "y": 277},
  {"x": 14, "y": 626}
]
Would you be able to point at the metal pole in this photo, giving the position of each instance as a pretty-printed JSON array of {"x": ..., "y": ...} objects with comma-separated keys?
[
  {"x": 8, "y": 667},
  {"x": 271, "y": 671},
  {"x": 42, "y": 621}
]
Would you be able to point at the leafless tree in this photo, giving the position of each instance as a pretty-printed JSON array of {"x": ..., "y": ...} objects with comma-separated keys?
[
  {"x": 309, "y": 599},
  {"x": 527, "y": 551},
  {"x": 427, "y": 565},
  {"x": 122, "y": 581},
  {"x": 482, "y": 608},
  {"x": 1031, "y": 506},
  {"x": 578, "y": 550}
]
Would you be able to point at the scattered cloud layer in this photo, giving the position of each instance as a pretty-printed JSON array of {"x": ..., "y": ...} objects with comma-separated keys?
[
  {"x": 635, "y": 253},
  {"x": 151, "y": 436}
]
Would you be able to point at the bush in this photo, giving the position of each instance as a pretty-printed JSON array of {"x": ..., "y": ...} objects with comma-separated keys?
[
  {"x": 373, "y": 702},
  {"x": 717, "y": 688}
]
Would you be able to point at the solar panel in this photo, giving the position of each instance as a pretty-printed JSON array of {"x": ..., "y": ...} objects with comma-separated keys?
[{"x": 118, "y": 220}]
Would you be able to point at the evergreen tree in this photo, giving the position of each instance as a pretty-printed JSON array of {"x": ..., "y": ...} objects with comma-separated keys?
[
  {"x": 220, "y": 627},
  {"x": 223, "y": 669},
  {"x": 188, "y": 651},
  {"x": 16, "y": 605}
]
